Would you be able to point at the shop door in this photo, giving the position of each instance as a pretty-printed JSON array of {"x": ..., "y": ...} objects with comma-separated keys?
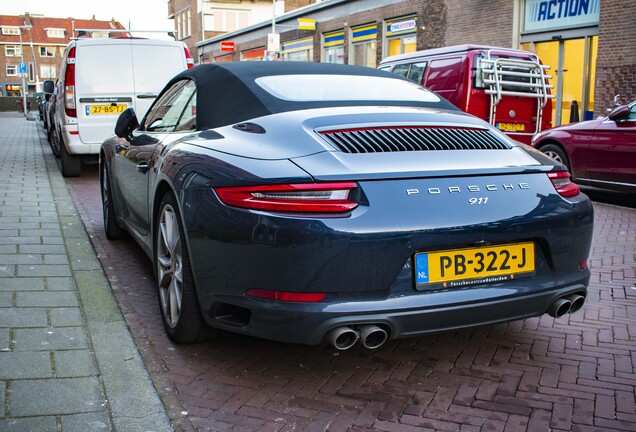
[{"x": 573, "y": 68}]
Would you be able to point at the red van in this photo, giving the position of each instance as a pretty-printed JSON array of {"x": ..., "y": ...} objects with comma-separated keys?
[{"x": 506, "y": 87}]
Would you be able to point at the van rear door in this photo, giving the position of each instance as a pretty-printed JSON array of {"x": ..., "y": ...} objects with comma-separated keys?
[
  {"x": 104, "y": 87},
  {"x": 155, "y": 62}
]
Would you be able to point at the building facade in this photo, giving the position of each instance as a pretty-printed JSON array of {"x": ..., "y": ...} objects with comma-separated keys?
[
  {"x": 39, "y": 42},
  {"x": 586, "y": 43},
  {"x": 198, "y": 20}
]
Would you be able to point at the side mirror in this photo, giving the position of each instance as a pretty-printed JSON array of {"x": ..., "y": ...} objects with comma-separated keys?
[
  {"x": 126, "y": 123},
  {"x": 619, "y": 113},
  {"x": 48, "y": 86}
]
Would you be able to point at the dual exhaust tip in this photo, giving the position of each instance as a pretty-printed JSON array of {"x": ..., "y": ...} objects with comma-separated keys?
[
  {"x": 567, "y": 304},
  {"x": 373, "y": 336},
  {"x": 344, "y": 337}
]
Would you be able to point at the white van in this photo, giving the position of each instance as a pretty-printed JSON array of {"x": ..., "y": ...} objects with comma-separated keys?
[{"x": 100, "y": 78}]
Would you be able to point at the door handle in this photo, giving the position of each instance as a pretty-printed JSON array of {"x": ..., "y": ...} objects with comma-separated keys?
[{"x": 142, "y": 167}]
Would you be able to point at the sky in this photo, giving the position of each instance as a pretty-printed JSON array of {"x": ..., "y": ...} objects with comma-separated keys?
[{"x": 141, "y": 14}]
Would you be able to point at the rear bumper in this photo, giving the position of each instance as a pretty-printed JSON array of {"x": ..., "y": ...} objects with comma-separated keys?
[
  {"x": 75, "y": 145},
  {"x": 308, "y": 324}
]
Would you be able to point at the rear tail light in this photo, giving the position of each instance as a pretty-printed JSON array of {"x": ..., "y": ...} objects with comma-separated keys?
[
  {"x": 286, "y": 296},
  {"x": 297, "y": 198},
  {"x": 563, "y": 184},
  {"x": 69, "y": 85},
  {"x": 189, "y": 59}
]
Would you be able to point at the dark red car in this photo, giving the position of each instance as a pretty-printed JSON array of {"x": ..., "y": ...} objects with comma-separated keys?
[{"x": 600, "y": 153}]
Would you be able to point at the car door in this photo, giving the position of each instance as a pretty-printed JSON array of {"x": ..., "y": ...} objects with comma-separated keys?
[
  {"x": 136, "y": 157},
  {"x": 613, "y": 151}
]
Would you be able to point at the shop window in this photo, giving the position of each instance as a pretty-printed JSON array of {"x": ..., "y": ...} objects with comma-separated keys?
[
  {"x": 401, "y": 35},
  {"x": 298, "y": 50},
  {"x": 333, "y": 47},
  {"x": 257, "y": 54},
  {"x": 12, "y": 51},
  {"x": 364, "y": 44}
]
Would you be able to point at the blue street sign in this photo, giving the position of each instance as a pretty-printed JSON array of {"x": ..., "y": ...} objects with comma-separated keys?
[{"x": 23, "y": 69}]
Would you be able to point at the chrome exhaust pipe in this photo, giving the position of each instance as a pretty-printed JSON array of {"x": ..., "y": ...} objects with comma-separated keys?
[
  {"x": 576, "y": 302},
  {"x": 372, "y": 336},
  {"x": 342, "y": 338},
  {"x": 560, "y": 307}
]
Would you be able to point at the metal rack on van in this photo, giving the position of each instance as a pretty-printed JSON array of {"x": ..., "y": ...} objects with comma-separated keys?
[
  {"x": 505, "y": 76},
  {"x": 116, "y": 32}
]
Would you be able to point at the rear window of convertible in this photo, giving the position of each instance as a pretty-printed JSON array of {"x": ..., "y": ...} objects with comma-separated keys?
[{"x": 305, "y": 88}]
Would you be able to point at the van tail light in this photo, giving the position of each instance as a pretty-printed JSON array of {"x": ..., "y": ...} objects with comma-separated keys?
[
  {"x": 297, "y": 198},
  {"x": 563, "y": 184},
  {"x": 69, "y": 85},
  {"x": 189, "y": 59}
]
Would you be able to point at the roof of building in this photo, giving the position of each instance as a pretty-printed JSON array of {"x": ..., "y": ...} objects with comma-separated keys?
[{"x": 38, "y": 33}]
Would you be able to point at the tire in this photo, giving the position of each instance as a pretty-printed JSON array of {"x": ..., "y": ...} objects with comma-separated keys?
[
  {"x": 111, "y": 227},
  {"x": 71, "y": 165},
  {"x": 54, "y": 141},
  {"x": 178, "y": 301},
  {"x": 556, "y": 153}
]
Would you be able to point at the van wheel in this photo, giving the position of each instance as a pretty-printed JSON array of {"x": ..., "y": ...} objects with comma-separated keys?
[
  {"x": 54, "y": 141},
  {"x": 71, "y": 165}
]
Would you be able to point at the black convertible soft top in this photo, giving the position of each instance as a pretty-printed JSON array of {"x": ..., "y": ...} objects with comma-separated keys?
[{"x": 227, "y": 92}]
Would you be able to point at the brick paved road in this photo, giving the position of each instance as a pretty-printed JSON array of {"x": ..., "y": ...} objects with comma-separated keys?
[{"x": 576, "y": 373}]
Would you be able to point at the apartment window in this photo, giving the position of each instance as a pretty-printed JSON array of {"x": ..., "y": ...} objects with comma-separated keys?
[
  {"x": 11, "y": 70},
  {"x": 12, "y": 51},
  {"x": 184, "y": 28},
  {"x": 31, "y": 72},
  {"x": 55, "y": 32},
  {"x": 48, "y": 72},
  {"x": 47, "y": 51},
  {"x": 226, "y": 20},
  {"x": 100, "y": 35},
  {"x": 10, "y": 31}
]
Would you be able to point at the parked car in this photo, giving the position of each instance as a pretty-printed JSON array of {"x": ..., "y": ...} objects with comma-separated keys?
[
  {"x": 310, "y": 202},
  {"x": 41, "y": 101},
  {"x": 600, "y": 153},
  {"x": 49, "y": 109},
  {"x": 100, "y": 78},
  {"x": 506, "y": 87}
]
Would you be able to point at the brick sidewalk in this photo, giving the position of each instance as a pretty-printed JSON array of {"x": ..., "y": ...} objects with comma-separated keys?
[
  {"x": 572, "y": 374},
  {"x": 67, "y": 360}
]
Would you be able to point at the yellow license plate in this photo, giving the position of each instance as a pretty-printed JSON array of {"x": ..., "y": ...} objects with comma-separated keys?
[
  {"x": 461, "y": 267},
  {"x": 105, "y": 109},
  {"x": 511, "y": 127}
]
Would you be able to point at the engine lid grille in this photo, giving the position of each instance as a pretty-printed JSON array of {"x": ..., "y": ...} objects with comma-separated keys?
[{"x": 413, "y": 138}]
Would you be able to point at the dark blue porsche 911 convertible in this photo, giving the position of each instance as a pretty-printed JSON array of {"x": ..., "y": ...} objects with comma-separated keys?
[{"x": 313, "y": 203}]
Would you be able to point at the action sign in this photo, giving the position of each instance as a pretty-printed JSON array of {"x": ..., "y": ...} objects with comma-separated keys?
[{"x": 306, "y": 24}]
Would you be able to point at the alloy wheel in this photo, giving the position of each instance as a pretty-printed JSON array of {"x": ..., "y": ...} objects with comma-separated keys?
[{"x": 169, "y": 266}]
